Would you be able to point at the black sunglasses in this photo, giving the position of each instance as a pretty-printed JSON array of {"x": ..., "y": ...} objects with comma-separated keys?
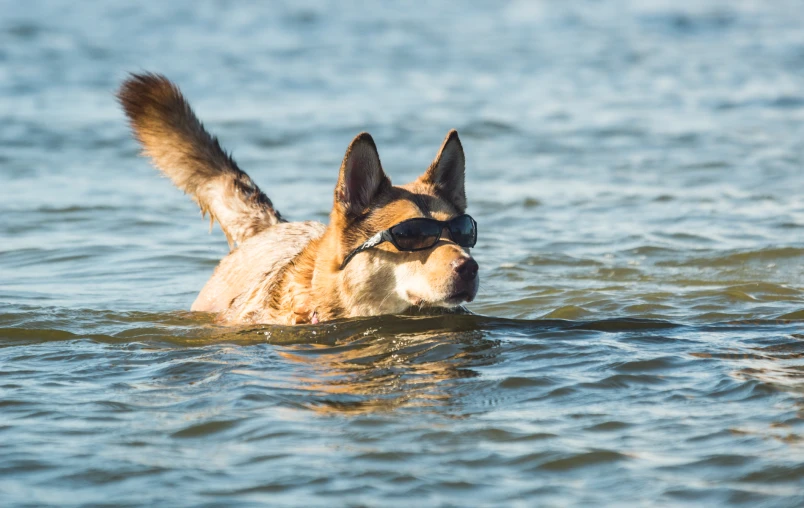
[{"x": 421, "y": 234}]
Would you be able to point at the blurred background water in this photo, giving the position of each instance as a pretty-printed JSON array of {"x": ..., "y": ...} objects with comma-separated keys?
[{"x": 636, "y": 171}]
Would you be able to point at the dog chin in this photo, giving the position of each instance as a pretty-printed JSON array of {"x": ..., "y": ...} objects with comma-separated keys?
[
  {"x": 460, "y": 297},
  {"x": 450, "y": 301}
]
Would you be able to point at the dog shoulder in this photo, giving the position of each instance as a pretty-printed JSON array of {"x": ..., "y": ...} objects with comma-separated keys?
[{"x": 254, "y": 265}]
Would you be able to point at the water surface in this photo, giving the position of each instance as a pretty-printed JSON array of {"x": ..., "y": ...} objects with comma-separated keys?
[{"x": 636, "y": 169}]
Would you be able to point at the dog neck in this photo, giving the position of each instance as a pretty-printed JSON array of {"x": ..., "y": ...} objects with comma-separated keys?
[{"x": 315, "y": 288}]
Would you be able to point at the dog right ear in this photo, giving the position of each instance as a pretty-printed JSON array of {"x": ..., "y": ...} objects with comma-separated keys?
[
  {"x": 361, "y": 179},
  {"x": 446, "y": 173}
]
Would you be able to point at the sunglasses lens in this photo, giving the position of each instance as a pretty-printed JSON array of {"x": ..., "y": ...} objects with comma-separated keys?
[
  {"x": 463, "y": 231},
  {"x": 416, "y": 234}
]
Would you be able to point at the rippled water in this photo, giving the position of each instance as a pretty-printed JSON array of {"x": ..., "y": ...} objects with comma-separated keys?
[{"x": 637, "y": 171}]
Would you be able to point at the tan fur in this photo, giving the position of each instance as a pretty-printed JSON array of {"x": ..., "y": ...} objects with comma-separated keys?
[{"x": 289, "y": 273}]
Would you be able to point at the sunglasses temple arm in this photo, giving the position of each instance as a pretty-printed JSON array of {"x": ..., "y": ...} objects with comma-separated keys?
[{"x": 382, "y": 236}]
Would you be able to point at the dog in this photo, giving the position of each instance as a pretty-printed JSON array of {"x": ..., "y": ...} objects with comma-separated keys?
[{"x": 387, "y": 249}]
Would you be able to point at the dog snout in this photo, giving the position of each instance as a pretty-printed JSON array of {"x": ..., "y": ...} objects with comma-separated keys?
[{"x": 466, "y": 268}]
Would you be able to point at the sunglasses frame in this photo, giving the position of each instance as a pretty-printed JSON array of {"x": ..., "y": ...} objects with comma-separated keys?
[{"x": 387, "y": 236}]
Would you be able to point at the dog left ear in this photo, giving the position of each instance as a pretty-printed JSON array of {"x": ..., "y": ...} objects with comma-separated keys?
[
  {"x": 361, "y": 179},
  {"x": 446, "y": 173}
]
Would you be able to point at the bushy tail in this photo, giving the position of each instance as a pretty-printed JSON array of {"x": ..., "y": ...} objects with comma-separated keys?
[{"x": 177, "y": 143}]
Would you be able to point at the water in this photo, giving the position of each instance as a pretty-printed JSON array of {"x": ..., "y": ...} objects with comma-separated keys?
[{"x": 636, "y": 171}]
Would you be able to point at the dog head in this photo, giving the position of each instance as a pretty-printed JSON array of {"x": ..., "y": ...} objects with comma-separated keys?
[{"x": 383, "y": 279}]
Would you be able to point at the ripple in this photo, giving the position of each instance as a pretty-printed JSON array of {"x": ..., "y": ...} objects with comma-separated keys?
[
  {"x": 661, "y": 363},
  {"x": 618, "y": 381},
  {"x": 581, "y": 460},
  {"x": 775, "y": 474},
  {"x": 205, "y": 429},
  {"x": 568, "y": 312},
  {"x": 515, "y": 383},
  {"x": 739, "y": 258},
  {"x": 608, "y": 426}
]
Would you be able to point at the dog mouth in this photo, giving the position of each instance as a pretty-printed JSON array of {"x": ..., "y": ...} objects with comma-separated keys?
[
  {"x": 460, "y": 297},
  {"x": 459, "y": 294}
]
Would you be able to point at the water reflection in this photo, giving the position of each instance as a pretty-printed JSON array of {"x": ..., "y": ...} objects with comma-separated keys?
[{"x": 396, "y": 364}]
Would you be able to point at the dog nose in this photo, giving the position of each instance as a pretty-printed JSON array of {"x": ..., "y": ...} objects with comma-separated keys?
[{"x": 466, "y": 268}]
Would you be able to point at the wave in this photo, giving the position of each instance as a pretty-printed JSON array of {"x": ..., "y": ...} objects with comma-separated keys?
[
  {"x": 45, "y": 324},
  {"x": 738, "y": 258}
]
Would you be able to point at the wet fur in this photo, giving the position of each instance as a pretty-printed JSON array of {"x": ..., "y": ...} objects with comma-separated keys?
[{"x": 289, "y": 273}]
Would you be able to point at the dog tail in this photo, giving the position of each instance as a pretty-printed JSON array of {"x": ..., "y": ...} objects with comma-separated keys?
[{"x": 179, "y": 146}]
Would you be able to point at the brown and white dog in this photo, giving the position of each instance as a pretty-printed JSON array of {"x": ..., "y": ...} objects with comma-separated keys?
[{"x": 290, "y": 272}]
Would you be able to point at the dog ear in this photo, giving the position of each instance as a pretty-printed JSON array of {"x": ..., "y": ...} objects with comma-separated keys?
[
  {"x": 361, "y": 179},
  {"x": 446, "y": 173}
]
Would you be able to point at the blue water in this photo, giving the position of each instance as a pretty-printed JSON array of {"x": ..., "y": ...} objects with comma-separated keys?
[{"x": 637, "y": 171}]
